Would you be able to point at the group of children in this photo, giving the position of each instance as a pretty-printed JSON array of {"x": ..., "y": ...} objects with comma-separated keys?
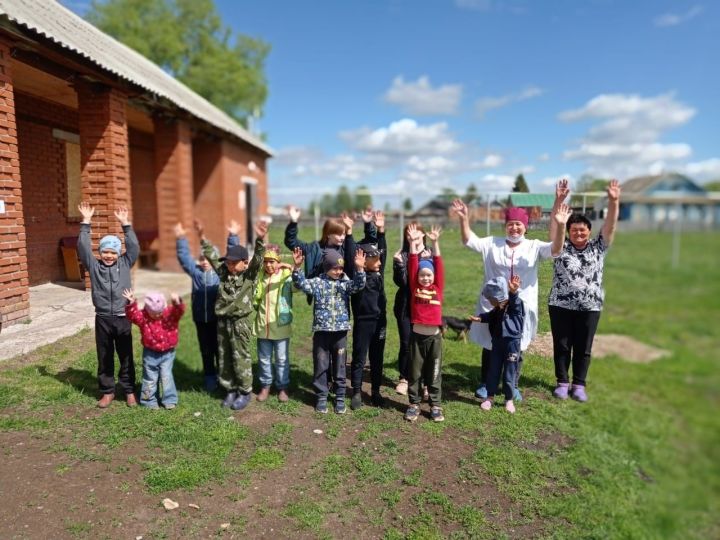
[{"x": 236, "y": 297}]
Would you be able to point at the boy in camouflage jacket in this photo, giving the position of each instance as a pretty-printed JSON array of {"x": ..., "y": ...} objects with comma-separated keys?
[{"x": 233, "y": 308}]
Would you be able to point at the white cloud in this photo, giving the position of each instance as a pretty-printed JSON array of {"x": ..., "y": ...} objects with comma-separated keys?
[
  {"x": 544, "y": 157},
  {"x": 526, "y": 169},
  {"x": 475, "y": 5},
  {"x": 708, "y": 169},
  {"x": 490, "y": 161},
  {"x": 485, "y": 104},
  {"x": 551, "y": 181},
  {"x": 497, "y": 182},
  {"x": 403, "y": 138},
  {"x": 626, "y": 142},
  {"x": 420, "y": 98},
  {"x": 673, "y": 19}
]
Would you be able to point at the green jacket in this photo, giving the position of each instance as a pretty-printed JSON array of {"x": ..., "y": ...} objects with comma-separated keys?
[
  {"x": 235, "y": 294},
  {"x": 273, "y": 303}
]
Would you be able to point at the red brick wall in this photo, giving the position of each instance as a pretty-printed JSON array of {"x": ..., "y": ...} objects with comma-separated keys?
[
  {"x": 142, "y": 175},
  {"x": 14, "y": 294},
  {"x": 43, "y": 170},
  {"x": 208, "y": 189}
]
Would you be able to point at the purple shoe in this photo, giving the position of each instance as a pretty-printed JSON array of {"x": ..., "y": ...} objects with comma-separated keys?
[
  {"x": 578, "y": 393},
  {"x": 561, "y": 390}
]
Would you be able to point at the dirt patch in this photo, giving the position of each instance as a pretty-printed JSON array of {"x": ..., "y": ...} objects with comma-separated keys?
[{"x": 625, "y": 347}]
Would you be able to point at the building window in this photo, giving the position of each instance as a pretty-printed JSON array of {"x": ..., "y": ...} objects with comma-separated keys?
[{"x": 72, "y": 170}]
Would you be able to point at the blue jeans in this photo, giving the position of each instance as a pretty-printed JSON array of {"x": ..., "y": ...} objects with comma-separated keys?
[
  {"x": 265, "y": 349},
  {"x": 158, "y": 365}
]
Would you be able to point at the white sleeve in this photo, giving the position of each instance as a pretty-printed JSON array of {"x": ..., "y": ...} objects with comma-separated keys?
[
  {"x": 478, "y": 244},
  {"x": 544, "y": 249}
]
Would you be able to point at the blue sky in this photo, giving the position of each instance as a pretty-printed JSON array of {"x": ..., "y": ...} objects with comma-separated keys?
[{"x": 410, "y": 96}]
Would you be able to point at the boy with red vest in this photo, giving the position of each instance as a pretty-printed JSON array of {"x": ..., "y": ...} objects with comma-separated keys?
[{"x": 426, "y": 279}]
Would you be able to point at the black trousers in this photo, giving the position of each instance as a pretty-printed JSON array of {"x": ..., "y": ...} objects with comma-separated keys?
[
  {"x": 573, "y": 335},
  {"x": 114, "y": 334},
  {"x": 207, "y": 339},
  {"x": 368, "y": 340},
  {"x": 425, "y": 366},
  {"x": 404, "y": 330},
  {"x": 329, "y": 357}
]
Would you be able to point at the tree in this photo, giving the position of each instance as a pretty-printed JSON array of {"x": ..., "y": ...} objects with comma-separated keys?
[
  {"x": 520, "y": 185},
  {"x": 327, "y": 205},
  {"x": 712, "y": 186},
  {"x": 188, "y": 40},
  {"x": 363, "y": 199},
  {"x": 448, "y": 195},
  {"x": 589, "y": 183},
  {"x": 471, "y": 194},
  {"x": 343, "y": 200},
  {"x": 407, "y": 205}
]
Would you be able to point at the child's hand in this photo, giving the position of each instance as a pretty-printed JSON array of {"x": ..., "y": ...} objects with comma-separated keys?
[
  {"x": 562, "y": 189},
  {"x": 348, "y": 222},
  {"x": 122, "y": 215},
  {"x": 380, "y": 220},
  {"x": 180, "y": 231},
  {"x": 613, "y": 190},
  {"x": 129, "y": 295},
  {"x": 563, "y": 214},
  {"x": 233, "y": 227},
  {"x": 514, "y": 284},
  {"x": 86, "y": 211},
  {"x": 398, "y": 256},
  {"x": 175, "y": 298},
  {"x": 460, "y": 208},
  {"x": 359, "y": 259},
  {"x": 261, "y": 229},
  {"x": 298, "y": 257},
  {"x": 414, "y": 233},
  {"x": 367, "y": 214},
  {"x": 434, "y": 233},
  {"x": 474, "y": 318},
  {"x": 293, "y": 213},
  {"x": 285, "y": 265}
]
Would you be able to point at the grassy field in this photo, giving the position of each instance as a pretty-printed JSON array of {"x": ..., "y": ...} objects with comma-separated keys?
[{"x": 640, "y": 460}]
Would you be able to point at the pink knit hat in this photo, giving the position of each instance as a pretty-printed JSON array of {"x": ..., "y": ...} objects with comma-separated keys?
[
  {"x": 517, "y": 214},
  {"x": 155, "y": 302}
]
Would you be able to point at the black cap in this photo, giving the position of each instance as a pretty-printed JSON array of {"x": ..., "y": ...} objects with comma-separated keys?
[
  {"x": 236, "y": 253},
  {"x": 370, "y": 250}
]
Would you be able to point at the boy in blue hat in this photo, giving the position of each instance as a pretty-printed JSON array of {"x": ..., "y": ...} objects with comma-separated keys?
[{"x": 109, "y": 277}]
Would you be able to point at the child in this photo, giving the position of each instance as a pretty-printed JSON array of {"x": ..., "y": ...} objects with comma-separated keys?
[
  {"x": 370, "y": 321},
  {"x": 506, "y": 327},
  {"x": 233, "y": 309},
  {"x": 159, "y": 330},
  {"x": 109, "y": 276},
  {"x": 426, "y": 279},
  {"x": 205, "y": 284},
  {"x": 331, "y": 320},
  {"x": 273, "y": 303}
]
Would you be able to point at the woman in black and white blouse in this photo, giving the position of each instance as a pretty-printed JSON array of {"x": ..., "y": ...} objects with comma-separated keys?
[{"x": 576, "y": 296}]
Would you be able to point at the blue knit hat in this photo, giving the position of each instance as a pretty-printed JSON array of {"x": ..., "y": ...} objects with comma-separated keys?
[
  {"x": 496, "y": 289},
  {"x": 427, "y": 264},
  {"x": 111, "y": 242}
]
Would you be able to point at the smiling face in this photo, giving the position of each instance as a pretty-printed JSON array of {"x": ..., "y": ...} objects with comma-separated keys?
[
  {"x": 270, "y": 266},
  {"x": 335, "y": 239},
  {"x": 335, "y": 272},
  {"x": 204, "y": 264},
  {"x": 108, "y": 257},
  {"x": 426, "y": 277},
  {"x": 579, "y": 234},
  {"x": 515, "y": 229},
  {"x": 372, "y": 264},
  {"x": 236, "y": 267}
]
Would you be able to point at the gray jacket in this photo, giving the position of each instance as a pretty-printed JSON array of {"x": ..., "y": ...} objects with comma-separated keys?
[{"x": 108, "y": 282}]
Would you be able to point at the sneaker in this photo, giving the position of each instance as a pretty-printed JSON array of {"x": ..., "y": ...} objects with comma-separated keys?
[
  {"x": 105, "y": 401},
  {"x": 517, "y": 396},
  {"x": 486, "y": 405},
  {"x": 264, "y": 393},
  {"x": 356, "y": 401},
  {"x": 561, "y": 390},
  {"x": 481, "y": 392},
  {"x": 229, "y": 399},
  {"x": 426, "y": 394},
  {"x": 436, "y": 414},
  {"x": 170, "y": 406},
  {"x": 412, "y": 412},
  {"x": 211, "y": 383},
  {"x": 402, "y": 387},
  {"x": 578, "y": 393},
  {"x": 340, "y": 406},
  {"x": 241, "y": 402},
  {"x": 377, "y": 400},
  {"x": 510, "y": 406},
  {"x": 283, "y": 395},
  {"x": 131, "y": 400},
  {"x": 321, "y": 407}
]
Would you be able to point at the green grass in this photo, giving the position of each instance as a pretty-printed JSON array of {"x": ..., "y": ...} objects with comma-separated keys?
[{"x": 640, "y": 460}]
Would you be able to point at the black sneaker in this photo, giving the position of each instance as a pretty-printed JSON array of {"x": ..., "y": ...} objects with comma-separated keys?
[
  {"x": 340, "y": 407},
  {"x": 321, "y": 407},
  {"x": 377, "y": 400},
  {"x": 356, "y": 401}
]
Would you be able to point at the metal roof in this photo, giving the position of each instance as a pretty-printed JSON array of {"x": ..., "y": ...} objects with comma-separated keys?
[
  {"x": 525, "y": 200},
  {"x": 60, "y": 25}
]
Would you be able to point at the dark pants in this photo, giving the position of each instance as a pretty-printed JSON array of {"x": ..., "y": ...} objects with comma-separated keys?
[
  {"x": 404, "y": 331},
  {"x": 368, "y": 339},
  {"x": 329, "y": 357},
  {"x": 505, "y": 360},
  {"x": 207, "y": 339},
  {"x": 485, "y": 367},
  {"x": 425, "y": 366},
  {"x": 114, "y": 334},
  {"x": 573, "y": 334}
]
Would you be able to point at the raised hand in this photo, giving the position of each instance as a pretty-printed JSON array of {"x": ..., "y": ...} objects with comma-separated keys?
[
  {"x": 293, "y": 213},
  {"x": 514, "y": 284},
  {"x": 613, "y": 190},
  {"x": 174, "y": 298},
  {"x": 233, "y": 227},
  {"x": 86, "y": 211},
  {"x": 298, "y": 257},
  {"x": 414, "y": 233},
  {"x": 129, "y": 295},
  {"x": 348, "y": 222},
  {"x": 367, "y": 214},
  {"x": 380, "y": 220},
  {"x": 434, "y": 233},
  {"x": 122, "y": 215},
  {"x": 562, "y": 189},
  {"x": 180, "y": 231},
  {"x": 460, "y": 208},
  {"x": 199, "y": 229},
  {"x": 398, "y": 256},
  {"x": 359, "y": 259},
  {"x": 261, "y": 229},
  {"x": 563, "y": 214}
]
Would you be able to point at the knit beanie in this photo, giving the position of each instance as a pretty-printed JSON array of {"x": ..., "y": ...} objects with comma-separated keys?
[
  {"x": 496, "y": 289},
  {"x": 110, "y": 242},
  {"x": 331, "y": 259},
  {"x": 155, "y": 302},
  {"x": 427, "y": 264}
]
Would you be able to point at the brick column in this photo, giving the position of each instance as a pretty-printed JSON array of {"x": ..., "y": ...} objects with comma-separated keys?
[
  {"x": 174, "y": 187},
  {"x": 104, "y": 155},
  {"x": 14, "y": 293}
]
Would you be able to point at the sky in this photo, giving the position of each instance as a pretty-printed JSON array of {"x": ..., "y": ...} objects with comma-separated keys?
[{"x": 408, "y": 97}]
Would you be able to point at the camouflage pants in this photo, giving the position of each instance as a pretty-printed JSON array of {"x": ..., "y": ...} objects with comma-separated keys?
[{"x": 234, "y": 354}]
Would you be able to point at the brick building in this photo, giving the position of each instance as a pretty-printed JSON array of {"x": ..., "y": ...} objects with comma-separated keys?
[{"x": 82, "y": 117}]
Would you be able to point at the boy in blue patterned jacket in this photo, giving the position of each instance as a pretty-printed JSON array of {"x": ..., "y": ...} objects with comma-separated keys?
[{"x": 331, "y": 293}]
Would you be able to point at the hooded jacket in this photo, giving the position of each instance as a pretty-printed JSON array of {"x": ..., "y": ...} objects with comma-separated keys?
[{"x": 331, "y": 311}]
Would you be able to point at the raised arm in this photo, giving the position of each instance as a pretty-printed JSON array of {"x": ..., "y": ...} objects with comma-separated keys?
[
  {"x": 132, "y": 246},
  {"x": 461, "y": 209},
  {"x": 381, "y": 241},
  {"x": 233, "y": 238},
  {"x": 261, "y": 229},
  {"x": 291, "y": 231},
  {"x": 560, "y": 217},
  {"x": 608, "y": 230},
  {"x": 182, "y": 248},
  {"x": 84, "y": 244},
  {"x": 562, "y": 190},
  {"x": 434, "y": 236}
]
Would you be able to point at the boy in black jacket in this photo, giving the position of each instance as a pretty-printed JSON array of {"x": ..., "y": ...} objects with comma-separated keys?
[{"x": 370, "y": 321}]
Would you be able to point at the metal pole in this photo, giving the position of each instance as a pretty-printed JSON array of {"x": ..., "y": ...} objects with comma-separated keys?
[
  {"x": 402, "y": 223},
  {"x": 316, "y": 212},
  {"x": 487, "y": 217},
  {"x": 676, "y": 237},
  {"x": 584, "y": 202}
]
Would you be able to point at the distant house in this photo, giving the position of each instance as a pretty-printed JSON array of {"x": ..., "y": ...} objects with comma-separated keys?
[
  {"x": 538, "y": 205},
  {"x": 438, "y": 208},
  {"x": 657, "y": 201},
  {"x": 479, "y": 210}
]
